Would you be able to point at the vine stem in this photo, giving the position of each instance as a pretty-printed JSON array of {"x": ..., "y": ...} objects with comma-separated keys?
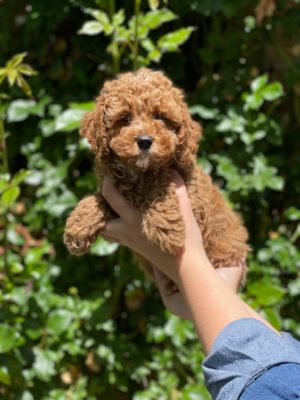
[
  {"x": 116, "y": 53},
  {"x": 137, "y": 9},
  {"x": 4, "y": 170},
  {"x": 4, "y": 158}
]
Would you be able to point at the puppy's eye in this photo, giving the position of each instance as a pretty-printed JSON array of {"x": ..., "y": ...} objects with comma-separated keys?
[
  {"x": 174, "y": 126},
  {"x": 158, "y": 116},
  {"x": 125, "y": 119}
]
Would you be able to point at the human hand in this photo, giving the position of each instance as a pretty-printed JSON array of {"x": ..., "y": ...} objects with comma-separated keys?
[
  {"x": 174, "y": 300},
  {"x": 126, "y": 230}
]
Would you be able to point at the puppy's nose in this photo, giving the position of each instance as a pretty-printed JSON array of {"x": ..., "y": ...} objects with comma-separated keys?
[{"x": 144, "y": 142}]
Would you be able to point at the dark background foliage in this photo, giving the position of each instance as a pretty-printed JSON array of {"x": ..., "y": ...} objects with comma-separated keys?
[{"x": 92, "y": 327}]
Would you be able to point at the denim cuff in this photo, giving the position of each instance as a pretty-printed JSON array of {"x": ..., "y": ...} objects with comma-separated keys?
[{"x": 245, "y": 349}]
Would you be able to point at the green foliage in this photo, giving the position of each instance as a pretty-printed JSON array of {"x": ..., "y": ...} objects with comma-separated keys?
[
  {"x": 93, "y": 327},
  {"x": 14, "y": 71},
  {"x": 136, "y": 33}
]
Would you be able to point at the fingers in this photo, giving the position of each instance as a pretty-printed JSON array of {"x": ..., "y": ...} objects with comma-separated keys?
[
  {"x": 117, "y": 202},
  {"x": 183, "y": 198},
  {"x": 114, "y": 231}
]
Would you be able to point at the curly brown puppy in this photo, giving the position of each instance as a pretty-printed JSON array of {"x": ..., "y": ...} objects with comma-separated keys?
[{"x": 140, "y": 130}]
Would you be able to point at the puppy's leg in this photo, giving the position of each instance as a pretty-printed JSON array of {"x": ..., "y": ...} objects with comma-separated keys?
[
  {"x": 224, "y": 235},
  {"x": 162, "y": 222},
  {"x": 85, "y": 223}
]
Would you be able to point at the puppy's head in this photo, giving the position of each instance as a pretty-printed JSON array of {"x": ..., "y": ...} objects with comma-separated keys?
[{"x": 141, "y": 118}]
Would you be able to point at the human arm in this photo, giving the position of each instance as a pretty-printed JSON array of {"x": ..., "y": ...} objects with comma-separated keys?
[{"x": 204, "y": 291}]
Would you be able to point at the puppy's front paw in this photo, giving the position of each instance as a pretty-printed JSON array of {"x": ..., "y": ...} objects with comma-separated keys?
[
  {"x": 78, "y": 245},
  {"x": 85, "y": 223}
]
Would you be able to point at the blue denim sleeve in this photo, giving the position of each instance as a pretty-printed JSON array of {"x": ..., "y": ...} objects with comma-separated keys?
[
  {"x": 277, "y": 383},
  {"x": 243, "y": 351}
]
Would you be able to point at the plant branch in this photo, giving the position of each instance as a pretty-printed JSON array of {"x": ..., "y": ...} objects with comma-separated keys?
[
  {"x": 137, "y": 9},
  {"x": 4, "y": 170}
]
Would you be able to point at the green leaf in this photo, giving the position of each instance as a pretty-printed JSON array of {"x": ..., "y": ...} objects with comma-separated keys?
[
  {"x": 265, "y": 176},
  {"x": 69, "y": 120},
  {"x": 253, "y": 101},
  {"x": 102, "y": 18},
  {"x": 22, "y": 83},
  {"x": 171, "y": 41},
  {"x": 16, "y": 60},
  {"x": 19, "y": 110},
  {"x": 8, "y": 338},
  {"x": 44, "y": 364},
  {"x": 273, "y": 91},
  {"x": 59, "y": 321},
  {"x": 250, "y": 23},
  {"x": 9, "y": 196},
  {"x": 55, "y": 204},
  {"x": 19, "y": 177},
  {"x": 26, "y": 395},
  {"x": 204, "y": 112},
  {"x": 103, "y": 248},
  {"x": 266, "y": 293},
  {"x": 273, "y": 316},
  {"x": 26, "y": 69},
  {"x": 4, "y": 376},
  {"x": 154, "y": 19},
  {"x": 153, "y": 4},
  {"x": 12, "y": 76},
  {"x": 91, "y": 28},
  {"x": 259, "y": 83},
  {"x": 4, "y": 182},
  {"x": 85, "y": 106},
  {"x": 118, "y": 18},
  {"x": 178, "y": 330},
  {"x": 292, "y": 213}
]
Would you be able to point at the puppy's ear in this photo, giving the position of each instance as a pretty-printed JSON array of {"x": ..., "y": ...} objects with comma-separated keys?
[
  {"x": 88, "y": 130},
  {"x": 188, "y": 138},
  {"x": 94, "y": 129}
]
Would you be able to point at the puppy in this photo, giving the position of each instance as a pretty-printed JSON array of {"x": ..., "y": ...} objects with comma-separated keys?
[{"x": 139, "y": 131}]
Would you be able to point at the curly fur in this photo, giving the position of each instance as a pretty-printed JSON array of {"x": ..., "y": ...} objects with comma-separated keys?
[{"x": 146, "y": 103}]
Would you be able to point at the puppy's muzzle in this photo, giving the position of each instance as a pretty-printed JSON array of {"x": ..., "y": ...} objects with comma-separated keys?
[{"x": 144, "y": 142}]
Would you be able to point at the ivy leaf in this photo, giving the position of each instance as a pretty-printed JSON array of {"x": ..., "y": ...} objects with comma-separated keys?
[
  {"x": 171, "y": 41},
  {"x": 103, "y": 248},
  {"x": 8, "y": 338},
  {"x": 44, "y": 364},
  {"x": 69, "y": 120},
  {"x": 59, "y": 321},
  {"x": 178, "y": 330},
  {"x": 19, "y": 110}
]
